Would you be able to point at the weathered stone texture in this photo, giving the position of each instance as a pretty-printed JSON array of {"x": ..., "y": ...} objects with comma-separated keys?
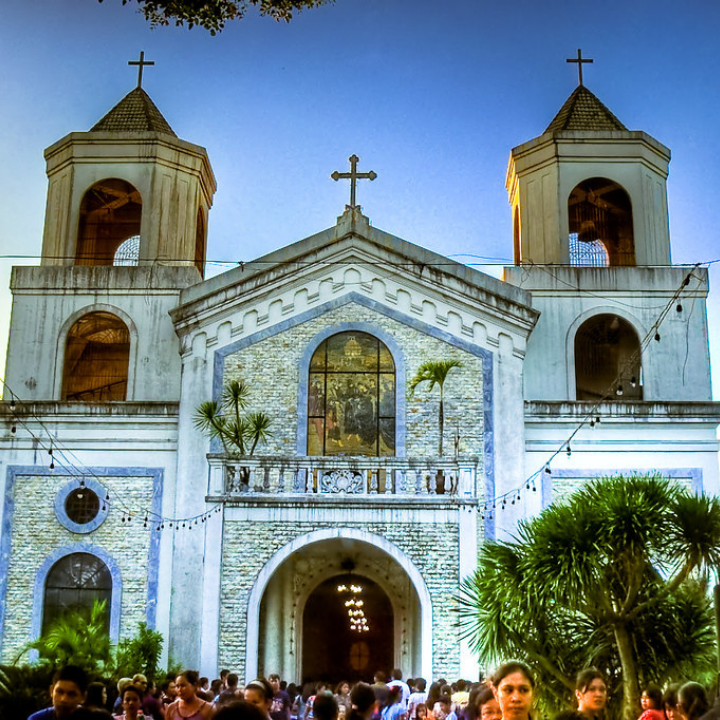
[
  {"x": 36, "y": 532},
  {"x": 270, "y": 366},
  {"x": 249, "y": 546}
]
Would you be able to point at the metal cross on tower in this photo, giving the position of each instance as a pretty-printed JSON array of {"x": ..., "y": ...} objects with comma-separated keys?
[
  {"x": 353, "y": 176},
  {"x": 579, "y": 60},
  {"x": 141, "y": 63}
]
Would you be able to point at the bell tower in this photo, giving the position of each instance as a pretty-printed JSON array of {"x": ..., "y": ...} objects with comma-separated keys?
[
  {"x": 125, "y": 232},
  {"x": 588, "y": 191},
  {"x": 128, "y": 192}
]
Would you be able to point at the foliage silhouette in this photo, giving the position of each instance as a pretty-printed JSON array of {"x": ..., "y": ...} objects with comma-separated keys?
[{"x": 615, "y": 576}]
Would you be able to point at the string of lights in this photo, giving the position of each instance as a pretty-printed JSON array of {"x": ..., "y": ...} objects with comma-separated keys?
[
  {"x": 60, "y": 455},
  {"x": 592, "y": 416}
]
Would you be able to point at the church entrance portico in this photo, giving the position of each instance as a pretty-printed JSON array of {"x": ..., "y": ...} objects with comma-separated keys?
[{"x": 312, "y": 601}]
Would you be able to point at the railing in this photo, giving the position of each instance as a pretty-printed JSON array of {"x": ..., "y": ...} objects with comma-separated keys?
[{"x": 341, "y": 475}]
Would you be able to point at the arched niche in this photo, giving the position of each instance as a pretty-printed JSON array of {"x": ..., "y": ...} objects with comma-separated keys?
[
  {"x": 600, "y": 222},
  {"x": 96, "y": 359},
  {"x": 275, "y": 638},
  {"x": 607, "y": 360},
  {"x": 110, "y": 214}
]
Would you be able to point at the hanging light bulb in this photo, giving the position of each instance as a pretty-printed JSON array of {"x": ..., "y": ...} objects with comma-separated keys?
[
  {"x": 679, "y": 307},
  {"x": 568, "y": 450},
  {"x": 547, "y": 469},
  {"x": 619, "y": 390},
  {"x": 657, "y": 337}
]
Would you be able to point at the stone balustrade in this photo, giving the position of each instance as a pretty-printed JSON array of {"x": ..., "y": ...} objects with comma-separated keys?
[{"x": 342, "y": 475}]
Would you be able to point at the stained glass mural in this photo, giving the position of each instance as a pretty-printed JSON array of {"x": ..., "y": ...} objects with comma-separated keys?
[{"x": 351, "y": 397}]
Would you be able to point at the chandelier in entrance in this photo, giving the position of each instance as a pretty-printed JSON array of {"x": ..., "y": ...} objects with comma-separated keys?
[{"x": 350, "y": 596}]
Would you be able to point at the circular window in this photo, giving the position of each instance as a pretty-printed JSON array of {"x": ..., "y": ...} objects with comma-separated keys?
[{"x": 81, "y": 505}]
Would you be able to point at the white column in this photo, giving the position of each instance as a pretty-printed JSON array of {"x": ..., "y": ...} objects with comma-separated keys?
[
  {"x": 210, "y": 634},
  {"x": 467, "y": 564}
]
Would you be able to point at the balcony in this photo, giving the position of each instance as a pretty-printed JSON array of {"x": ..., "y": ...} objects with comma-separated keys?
[{"x": 258, "y": 477}]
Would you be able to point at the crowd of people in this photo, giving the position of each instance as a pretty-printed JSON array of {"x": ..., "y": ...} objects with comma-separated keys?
[{"x": 509, "y": 694}]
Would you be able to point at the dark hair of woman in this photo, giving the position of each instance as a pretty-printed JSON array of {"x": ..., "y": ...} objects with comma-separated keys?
[
  {"x": 133, "y": 689},
  {"x": 307, "y": 691},
  {"x": 393, "y": 695},
  {"x": 94, "y": 697},
  {"x": 585, "y": 677},
  {"x": 263, "y": 686},
  {"x": 325, "y": 707},
  {"x": 192, "y": 676},
  {"x": 339, "y": 686},
  {"x": 362, "y": 697},
  {"x": 239, "y": 710},
  {"x": 692, "y": 700},
  {"x": 480, "y": 695},
  {"x": 509, "y": 668},
  {"x": 670, "y": 696},
  {"x": 654, "y": 694},
  {"x": 433, "y": 695}
]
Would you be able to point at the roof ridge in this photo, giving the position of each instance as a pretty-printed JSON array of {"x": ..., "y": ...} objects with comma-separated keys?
[
  {"x": 136, "y": 112},
  {"x": 583, "y": 110}
]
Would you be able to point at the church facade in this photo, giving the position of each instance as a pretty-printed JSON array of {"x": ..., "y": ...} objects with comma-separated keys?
[{"x": 337, "y": 548}]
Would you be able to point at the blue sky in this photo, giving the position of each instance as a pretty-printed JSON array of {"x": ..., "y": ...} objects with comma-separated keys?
[{"x": 432, "y": 96}]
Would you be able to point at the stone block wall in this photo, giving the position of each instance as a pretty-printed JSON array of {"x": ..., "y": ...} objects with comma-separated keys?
[
  {"x": 271, "y": 367},
  {"x": 35, "y": 533},
  {"x": 248, "y": 546}
]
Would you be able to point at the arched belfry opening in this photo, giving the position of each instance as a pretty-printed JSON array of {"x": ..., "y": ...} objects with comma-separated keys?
[
  {"x": 110, "y": 215},
  {"x": 607, "y": 360},
  {"x": 200, "y": 243},
  {"x": 97, "y": 354},
  {"x": 600, "y": 224},
  {"x": 317, "y": 602}
]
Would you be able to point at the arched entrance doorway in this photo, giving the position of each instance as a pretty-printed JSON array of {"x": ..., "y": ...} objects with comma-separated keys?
[
  {"x": 348, "y": 628},
  {"x": 277, "y": 635}
]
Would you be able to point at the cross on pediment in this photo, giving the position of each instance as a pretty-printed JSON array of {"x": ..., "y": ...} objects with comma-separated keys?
[
  {"x": 353, "y": 176},
  {"x": 141, "y": 63},
  {"x": 580, "y": 60}
]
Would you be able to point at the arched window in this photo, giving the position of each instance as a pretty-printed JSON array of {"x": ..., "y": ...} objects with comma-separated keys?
[
  {"x": 97, "y": 354},
  {"x": 601, "y": 224},
  {"x": 516, "y": 236},
  {"x": 351, "y": 397},
  {"x": 73, "y": 584},
  {"x": 128, "y": 254},
  {"x": 110, "y": 213},
  {"x": 200, "y": 243},
  {"x": 607, "y": 360}
]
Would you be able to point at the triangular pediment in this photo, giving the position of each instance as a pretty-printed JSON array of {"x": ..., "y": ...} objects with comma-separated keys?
[{"x": 354, "y": 258}]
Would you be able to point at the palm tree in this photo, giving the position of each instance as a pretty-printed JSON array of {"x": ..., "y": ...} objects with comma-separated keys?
[
  {"x": 77, "y": 638},
  {"x": 239, "y": 433},
  {"x": 616, "y": 576},
  {"x": 435, "y": 372}
]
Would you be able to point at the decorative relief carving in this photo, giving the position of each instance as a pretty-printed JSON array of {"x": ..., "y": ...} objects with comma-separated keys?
[{"x": 342, "y": 481}]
